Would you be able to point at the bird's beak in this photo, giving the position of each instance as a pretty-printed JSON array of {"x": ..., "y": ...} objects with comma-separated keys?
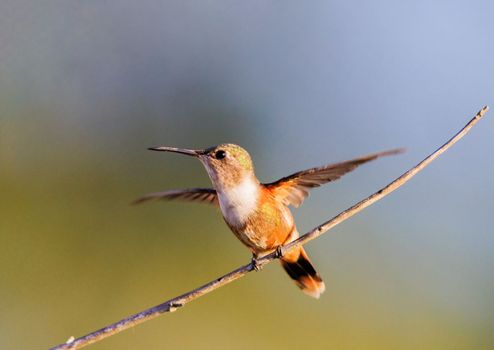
[{"x": 189, "y": 152}]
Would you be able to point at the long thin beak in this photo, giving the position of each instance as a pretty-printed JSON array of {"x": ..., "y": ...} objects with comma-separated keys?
[{"x": 189, "y": 152}]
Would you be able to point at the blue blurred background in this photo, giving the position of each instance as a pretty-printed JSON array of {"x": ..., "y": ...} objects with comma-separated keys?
[{"x": 87, "y": 86}]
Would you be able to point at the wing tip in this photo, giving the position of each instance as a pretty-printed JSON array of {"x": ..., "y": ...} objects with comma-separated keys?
[
  {"x": 390, "y": 152},
  {"x": 139, "y": 200}
]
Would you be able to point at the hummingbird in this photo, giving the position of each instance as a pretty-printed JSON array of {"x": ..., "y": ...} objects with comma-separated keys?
[{"x": 258, "y": 213}]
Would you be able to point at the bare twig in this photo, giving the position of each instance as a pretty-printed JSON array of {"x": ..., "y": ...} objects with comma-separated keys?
[{"x": 175, "y": 303}]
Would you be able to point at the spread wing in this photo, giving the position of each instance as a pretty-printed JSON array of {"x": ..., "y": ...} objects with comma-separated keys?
[
  {"x": 295, "y": 188},
  {"x": 204, "y": 195}
]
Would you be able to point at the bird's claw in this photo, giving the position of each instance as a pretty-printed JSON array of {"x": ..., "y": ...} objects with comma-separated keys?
[
  {"x": 255, "y": 265},
  {"x": 279, "y": 252}
]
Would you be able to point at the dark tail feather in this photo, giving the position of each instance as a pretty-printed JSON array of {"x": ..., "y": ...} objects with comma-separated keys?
[{"x": 303, "y": 273}]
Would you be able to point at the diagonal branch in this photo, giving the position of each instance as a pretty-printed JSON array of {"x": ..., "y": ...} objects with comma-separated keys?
[{"x": 173, "y": 304}]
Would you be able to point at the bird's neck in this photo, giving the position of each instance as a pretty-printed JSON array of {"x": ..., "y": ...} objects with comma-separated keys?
[{"x": 239, "y": 200}]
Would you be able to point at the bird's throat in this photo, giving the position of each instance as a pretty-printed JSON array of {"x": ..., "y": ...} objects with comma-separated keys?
[{"x": 239, "y": 201}]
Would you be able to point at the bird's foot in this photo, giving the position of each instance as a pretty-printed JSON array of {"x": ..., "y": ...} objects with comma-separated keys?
[
  {"x": 254, "y": 263},
  {"x": 279, "y": 252}
]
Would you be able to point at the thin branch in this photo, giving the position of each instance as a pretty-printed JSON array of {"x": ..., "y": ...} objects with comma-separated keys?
[{"x": 175, "y": 303}]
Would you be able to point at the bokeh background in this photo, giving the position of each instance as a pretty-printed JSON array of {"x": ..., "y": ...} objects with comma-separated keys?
[{"x": 87, "y": 86}]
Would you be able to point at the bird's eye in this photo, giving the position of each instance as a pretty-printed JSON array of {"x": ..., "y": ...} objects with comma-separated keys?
[{"x": 220, "y": 154}]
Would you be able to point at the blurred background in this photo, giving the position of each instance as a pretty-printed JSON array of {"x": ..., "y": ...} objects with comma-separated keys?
[{"x": 87, "y": 86}]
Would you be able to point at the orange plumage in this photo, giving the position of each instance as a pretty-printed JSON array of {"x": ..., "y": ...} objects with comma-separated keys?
[{"x": 258, "y": 214}]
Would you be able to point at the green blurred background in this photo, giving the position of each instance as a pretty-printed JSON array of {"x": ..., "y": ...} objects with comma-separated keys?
[{"x": 87, "y": 86}]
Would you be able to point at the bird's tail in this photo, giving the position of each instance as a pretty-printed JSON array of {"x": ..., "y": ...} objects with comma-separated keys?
[{"x": 298, "y": 266}]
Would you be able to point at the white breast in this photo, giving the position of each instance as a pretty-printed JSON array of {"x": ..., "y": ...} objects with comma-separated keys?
[{"x": 238, "y": 202}]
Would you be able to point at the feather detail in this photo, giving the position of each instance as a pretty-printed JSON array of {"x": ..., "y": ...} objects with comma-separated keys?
[
  {"x": 293, "y": 189},
  {"x": 204, "y": 195},
  {"x": 239, "y": 202},
  {"x": 302, "y": 271}
]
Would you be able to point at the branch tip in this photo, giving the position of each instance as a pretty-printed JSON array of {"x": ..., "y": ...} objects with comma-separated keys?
[{"x": 482, "y": 112}]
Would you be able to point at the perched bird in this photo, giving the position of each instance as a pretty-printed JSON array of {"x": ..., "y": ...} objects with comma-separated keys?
[{"x": 258, "y": 213}]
